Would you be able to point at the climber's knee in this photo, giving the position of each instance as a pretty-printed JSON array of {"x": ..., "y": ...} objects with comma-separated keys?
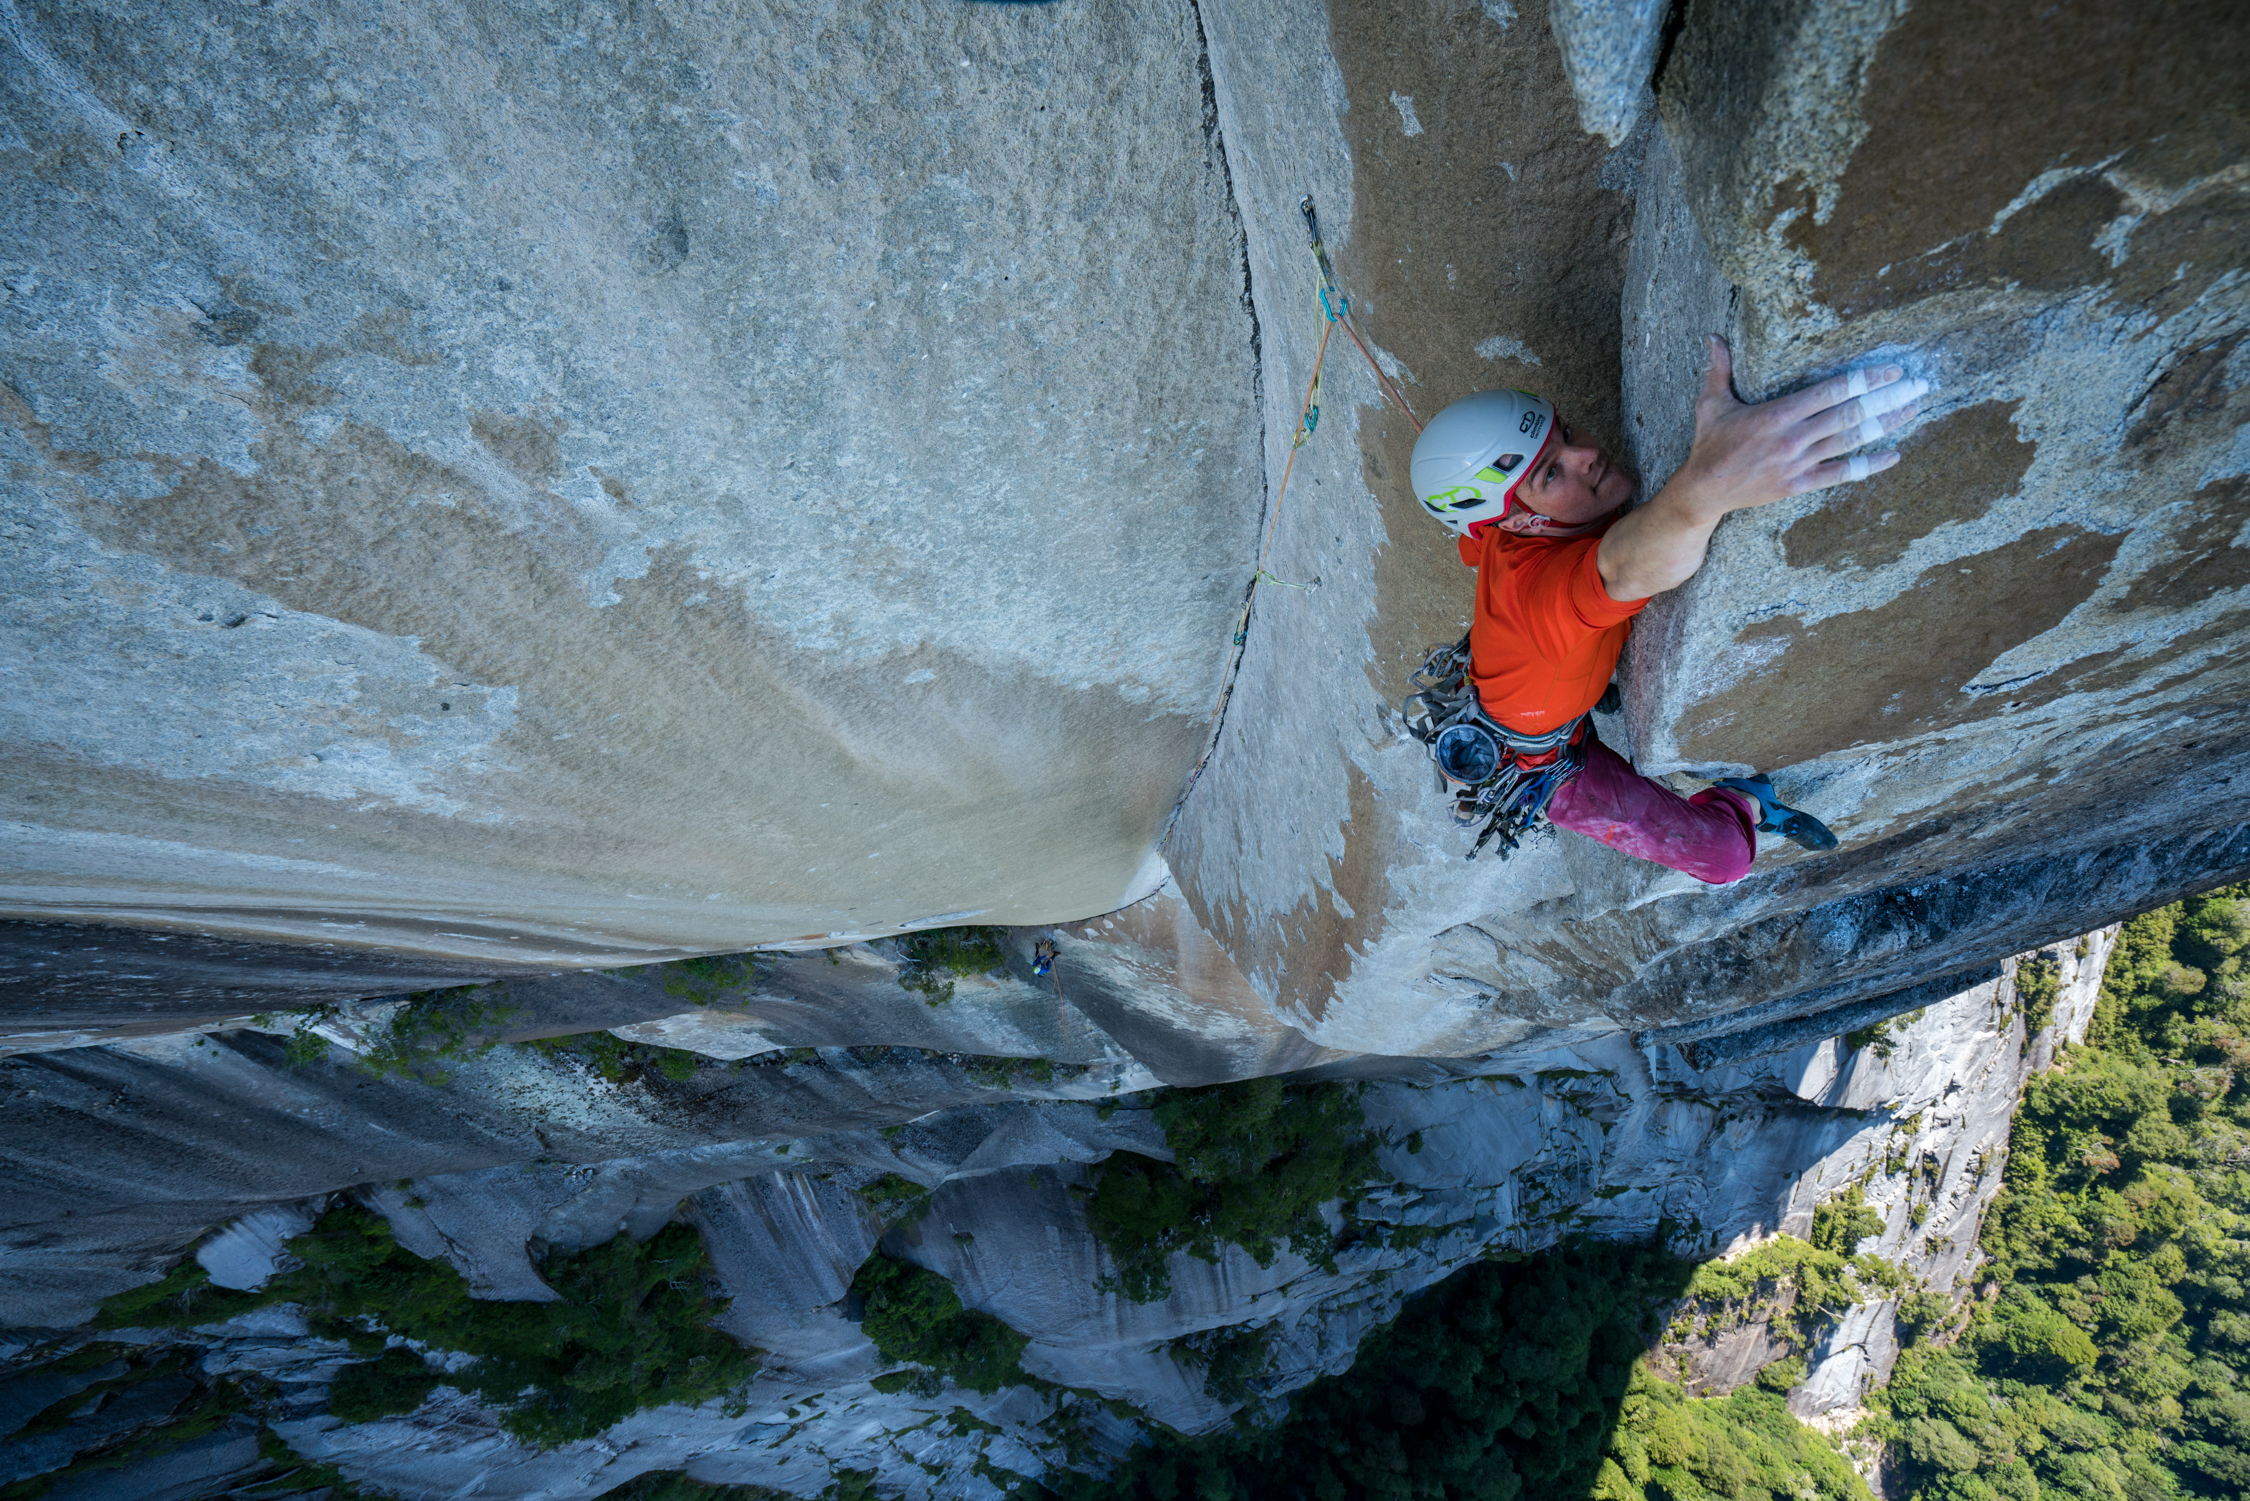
[{"x": 1730, "y": 848}]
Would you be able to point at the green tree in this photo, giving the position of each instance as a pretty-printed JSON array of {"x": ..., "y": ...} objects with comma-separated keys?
[
  {"x": 1746, "y": 1446},
  {"x": 1254, "y": 1165},
  {"x": 1844, "y": 1221},
  {"x": 914, "y": 1316},
  {"x": 2113, "y": 1359},
  {"x": 631, "y": 1328}
]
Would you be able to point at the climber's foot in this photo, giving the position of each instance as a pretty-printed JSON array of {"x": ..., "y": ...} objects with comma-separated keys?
[
  {"x": 1777, "y": 817},
  {"x": 1801, "y": 828}
]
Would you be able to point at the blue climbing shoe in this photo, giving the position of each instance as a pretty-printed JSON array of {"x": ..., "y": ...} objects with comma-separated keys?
[{"x": 1792, "y": 824}]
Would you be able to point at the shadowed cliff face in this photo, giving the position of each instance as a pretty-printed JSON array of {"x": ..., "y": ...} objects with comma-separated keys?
[
  {"x": 123, "y": 1161},
  {"x": 514, "y": 486}
]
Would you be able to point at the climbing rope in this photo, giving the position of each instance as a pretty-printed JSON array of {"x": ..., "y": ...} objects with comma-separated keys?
[
  {"x": 1335, "y": 309},
  {"x": 1384, "y": 380},
  {"x": 1339, "y": 311},
  {"x": 1308, "y": 418}
]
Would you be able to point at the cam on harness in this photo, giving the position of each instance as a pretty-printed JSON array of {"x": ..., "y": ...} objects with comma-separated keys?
[{"x": 1499, "y": 778}]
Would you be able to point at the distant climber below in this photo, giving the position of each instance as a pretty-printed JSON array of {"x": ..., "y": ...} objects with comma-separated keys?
[{"x": 1562, "y": 569}]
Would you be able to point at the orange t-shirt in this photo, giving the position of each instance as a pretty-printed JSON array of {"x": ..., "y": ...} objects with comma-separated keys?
[{"x": 1546, "y": 634}]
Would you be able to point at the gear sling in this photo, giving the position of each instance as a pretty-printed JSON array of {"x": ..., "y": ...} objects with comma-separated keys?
[{"x": 1508, "y": 778}]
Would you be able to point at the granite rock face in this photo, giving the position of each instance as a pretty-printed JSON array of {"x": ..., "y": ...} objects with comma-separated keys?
[
  {"x": 1482, "y": 235},
  {"x": 1610, "y": 51},
  {"x": 516, "y": 485},
  {"x": 793, "y": 1048},
  {"x": 612, "y": 487},
  {"x": 2036, "y": 617},
  {"x": 2007, "y": 672},
  {"x": 1938, "y": 1091}
]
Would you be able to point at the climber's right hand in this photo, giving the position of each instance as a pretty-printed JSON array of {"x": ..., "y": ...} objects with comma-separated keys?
[
  {"x": 1747, "y": 456},
  {"x": 1752, "y": 456}
]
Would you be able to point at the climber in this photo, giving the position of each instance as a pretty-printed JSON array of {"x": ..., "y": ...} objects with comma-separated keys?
[{"x": 1562, "y": 569}]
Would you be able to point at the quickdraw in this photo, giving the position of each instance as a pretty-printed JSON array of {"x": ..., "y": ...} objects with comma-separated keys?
[
  {"x": 1485, "y": 759},
  {"x": 1339, "y": 311}
]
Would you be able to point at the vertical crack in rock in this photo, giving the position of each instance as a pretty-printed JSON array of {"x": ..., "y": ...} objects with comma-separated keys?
[
  {"x": 1669, "y": 29},
  {"x": 1215, "y": 135}
]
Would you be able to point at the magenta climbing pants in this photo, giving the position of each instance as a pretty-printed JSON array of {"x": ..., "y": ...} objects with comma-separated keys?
[{"x": 1713, "y": 836}]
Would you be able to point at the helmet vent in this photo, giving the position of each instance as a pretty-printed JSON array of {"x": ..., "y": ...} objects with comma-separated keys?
[{"x": 1507, "y": 461}]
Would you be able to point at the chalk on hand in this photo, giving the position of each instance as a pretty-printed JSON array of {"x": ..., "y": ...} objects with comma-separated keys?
[{"x": 1878, "y": 404}]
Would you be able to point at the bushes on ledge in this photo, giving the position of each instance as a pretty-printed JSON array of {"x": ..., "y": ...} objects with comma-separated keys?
[
  {"x": 709, "y": 978},
  {"x": 1724, "y": 1293},
  {"x": 1843, "y": 1222},
  {"x": 913, "y": 1314},
  {"x": 933, "y": 954},
  {"x": 632, "y": 1329},
  {"x": 1256, "y": 1161},
  {"x": 1231, "y": 1358},
  {"x": 612, "y": 1058},
  {"x": 438, "y": 1026}
]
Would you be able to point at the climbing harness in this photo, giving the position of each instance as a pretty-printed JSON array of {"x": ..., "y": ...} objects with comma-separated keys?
[{"x": 1501, "y": 779}]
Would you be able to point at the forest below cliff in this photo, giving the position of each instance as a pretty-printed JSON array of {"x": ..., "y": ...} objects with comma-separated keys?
[
  {"x": 2109, "y": 1351},
  {"x": 2102, "y": 1350},
  {"x": 2104, "y": 1355}
]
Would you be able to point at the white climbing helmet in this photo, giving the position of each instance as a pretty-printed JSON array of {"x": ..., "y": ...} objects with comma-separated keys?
[{"x": 1473, "y": 454}]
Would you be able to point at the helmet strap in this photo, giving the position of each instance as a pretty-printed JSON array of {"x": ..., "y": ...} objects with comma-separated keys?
[{"x": 1525, "y": 522}]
